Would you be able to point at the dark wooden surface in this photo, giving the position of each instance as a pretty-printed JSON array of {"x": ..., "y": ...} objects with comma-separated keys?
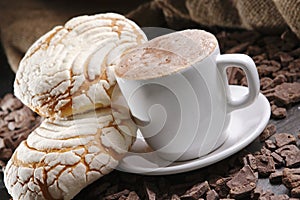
[{"x": 291, "y": 124}]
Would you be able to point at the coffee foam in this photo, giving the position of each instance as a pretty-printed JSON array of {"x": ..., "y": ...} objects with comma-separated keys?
[{"x": 166, "y": 54}]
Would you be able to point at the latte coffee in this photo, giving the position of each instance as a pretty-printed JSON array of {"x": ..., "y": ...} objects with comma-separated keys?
[{"x": 166, "y": 54}]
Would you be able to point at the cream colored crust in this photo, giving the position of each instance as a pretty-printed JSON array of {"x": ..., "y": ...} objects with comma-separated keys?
[
  {"x": 67, "y": 76},
  {"x": 60, "y": 153},
  {"x": 69, "y": 70}
]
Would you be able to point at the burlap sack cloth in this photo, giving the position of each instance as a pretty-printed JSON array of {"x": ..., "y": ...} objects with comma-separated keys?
[{"x": 22, "y": 22}]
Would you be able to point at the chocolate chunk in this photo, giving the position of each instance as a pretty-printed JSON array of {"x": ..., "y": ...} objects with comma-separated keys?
[
  {"x": 278, "y": 112},
  {"x": 265, "y": 70},
  {"x": 151, "y": 194},
  {"x": 16, "y": 122},
  {"x": 258, "y": 191},
  {"x": 123, "y": 197},
  {"x": 227, "y": 199},
  {"x": 259, "y": 58},
  {"x": 292, "y": 159},
  {"x": 260, "y": 194},
  {"x": 196, "y": 191},
  {"x": 268, "y": 131},
  {"x": 295, "y": 192},
  {"x": 175, "y": 197},
  {"x": 212, "y": 195},
  {"x": 282, "y": 151},
  {"x": 280, "y": 197},
  {"x": 294, "y": 66},
  {"x": 279, "y": 79},
  {"x": 251, "y": 161},
  {"x": 267, "y": 67},
  {"x": 265, "y": 165},
  {"x": 265, "y": 151},
  {"x": 291, "y": 154},
  {"x": 282, "y": 139},
  {"x": 277, "y": 159},
  {"x": 117, "y": 195},
  {"x": 290, "y": 76},
  {"x": 276, "y": 177},
  {"x": 150, "y": 191},
  {"x": 286, "y": 93},
  {"x": 270, "y": 144},
  {"x": 133, "y": 196},
  {"x": 222, "y": 188},
  {"x": 291, "y": 177},
  {"x": 243, "y": 183},
  {"x": 244, "y": 81},
  {"x": 212, "y": 180},
  {"x": 235, "y": 75},
  {"x": 265, "y": 83}
]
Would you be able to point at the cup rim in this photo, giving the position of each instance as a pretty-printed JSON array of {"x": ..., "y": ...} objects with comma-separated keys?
[
  {"x": 180, "y": 69},
  {"x": 215, "y": 51}
]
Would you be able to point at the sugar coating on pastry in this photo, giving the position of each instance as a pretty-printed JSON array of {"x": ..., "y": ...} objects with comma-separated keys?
[
  {"x": 61, "y": 157},
  {"x": 67, "y": 76},
  {"x": 70, "y": 69}
]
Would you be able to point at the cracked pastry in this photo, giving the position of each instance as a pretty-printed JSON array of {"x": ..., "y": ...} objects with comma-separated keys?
[
  {"x": 72, "y": 66},
  {"x": 67, "y": 76}
]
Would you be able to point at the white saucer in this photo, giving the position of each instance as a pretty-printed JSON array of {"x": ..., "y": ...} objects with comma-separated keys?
[{"x": 246, "y": 124}]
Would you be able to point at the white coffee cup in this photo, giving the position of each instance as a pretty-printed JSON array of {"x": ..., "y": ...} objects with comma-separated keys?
[{"x": 183, "y": 115}]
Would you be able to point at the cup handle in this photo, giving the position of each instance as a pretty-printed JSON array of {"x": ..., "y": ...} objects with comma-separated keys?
[{"x": 248, "y": 66}]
